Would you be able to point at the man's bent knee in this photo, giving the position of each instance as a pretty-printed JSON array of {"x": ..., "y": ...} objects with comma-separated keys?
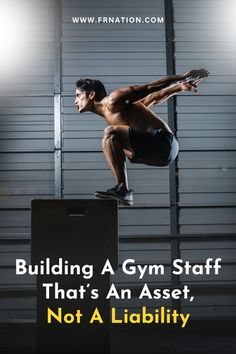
[
  {"x": 109, "y": 131},
  {"x": 108, "y": 136},
  {"x": 119, "y": 134}
]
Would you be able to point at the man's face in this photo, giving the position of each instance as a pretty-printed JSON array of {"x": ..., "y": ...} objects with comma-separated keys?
[{"x": 82, "y": 101}]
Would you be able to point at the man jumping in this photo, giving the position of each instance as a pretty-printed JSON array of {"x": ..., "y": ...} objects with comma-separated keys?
[{"x": 134, "y": 131}]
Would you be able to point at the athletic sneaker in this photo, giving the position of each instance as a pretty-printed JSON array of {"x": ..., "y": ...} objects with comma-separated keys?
[{"x": 119, "y": 192}]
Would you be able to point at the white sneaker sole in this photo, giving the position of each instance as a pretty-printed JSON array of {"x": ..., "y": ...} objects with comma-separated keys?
[{"x": 122, "y": 201}]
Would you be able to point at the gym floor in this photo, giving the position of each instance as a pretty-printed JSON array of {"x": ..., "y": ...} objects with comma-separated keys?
[{"x": 137, "y": 340}]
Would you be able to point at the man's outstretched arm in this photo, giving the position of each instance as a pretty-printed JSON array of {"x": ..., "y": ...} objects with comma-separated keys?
[
  {"x": 120, "y": 98},
  {"x": 163, "y": 95}
]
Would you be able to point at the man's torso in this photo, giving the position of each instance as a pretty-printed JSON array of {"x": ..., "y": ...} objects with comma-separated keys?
[{"x": 134, "y": 115}]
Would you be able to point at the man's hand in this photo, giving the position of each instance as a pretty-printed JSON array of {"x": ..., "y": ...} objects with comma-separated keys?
[
  {"x": 190, "y": 86},
  {"x": 196, "y": 74}
]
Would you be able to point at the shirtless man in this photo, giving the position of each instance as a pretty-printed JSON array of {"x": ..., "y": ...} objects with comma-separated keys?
[{"x": 134, "y": 131}]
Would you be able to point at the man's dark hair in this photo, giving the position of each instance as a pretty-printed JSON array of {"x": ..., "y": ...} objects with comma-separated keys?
[{"x": 89, "y": 85}]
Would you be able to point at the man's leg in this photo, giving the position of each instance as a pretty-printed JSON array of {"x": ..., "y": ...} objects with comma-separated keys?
[{"x": 116, "y": 146}]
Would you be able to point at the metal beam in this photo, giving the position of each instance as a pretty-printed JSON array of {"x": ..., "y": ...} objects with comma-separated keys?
[
  {"x": 57, "y": 101},
  {"x": 173, "y": 171}
]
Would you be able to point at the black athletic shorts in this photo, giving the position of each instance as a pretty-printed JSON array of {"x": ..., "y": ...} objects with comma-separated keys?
[{"x": 154, "y": 147}]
